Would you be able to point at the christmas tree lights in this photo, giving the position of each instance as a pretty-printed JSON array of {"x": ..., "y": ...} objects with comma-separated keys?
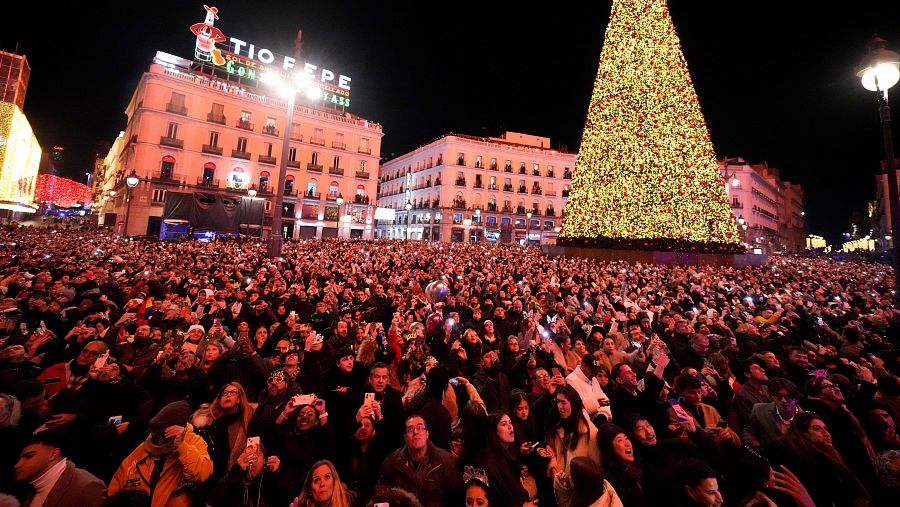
[{"x": 646, "y": 174}]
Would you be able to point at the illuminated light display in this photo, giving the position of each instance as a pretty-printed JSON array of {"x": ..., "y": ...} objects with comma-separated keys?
[
  {"x": 20, "y": 156},
  {"x": 646, "y": 176},
  {"x": 246, "y": 60},
  {"x": 61, "y": 192}
]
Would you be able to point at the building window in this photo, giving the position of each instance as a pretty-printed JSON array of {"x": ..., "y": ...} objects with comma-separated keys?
[
  {"x": 214, "y": 139},
  {"x": 339, "y": 140},
  {"x": 264, "y": 180},
  {"x": 209, "y": 172},
  {"x": 319, "y": 136},
  {"x": 289, "y": 184},
  {"x": 159, "y": 195},
  {"x": 176, "y": 103},
  {"x": 333, "y": 189},
  {"x": 461, "y": 158},
  {"x": 237, "y": 177},
  {"x": 314, "y": 158},
  {"x": 269, "y": 150},
  {"x": 295, "y": 131},
  {"x": 336, "y": 162},
  {"x": 493, "y": 163},
  {"x": 245, "y": 116},
  {"x": 536, "y": 170},
  {"x": 167, "y": 168},
  {"x": 292, "y": 154},
  {"x": 172, "y": 130},
  {"x": 362, "y": 166},
  {"x": 242, "y": 144},
  {"x": 364, "y": 145},
  {"x": 478, "y": 161},
  {"x": 311, "y": 187}
]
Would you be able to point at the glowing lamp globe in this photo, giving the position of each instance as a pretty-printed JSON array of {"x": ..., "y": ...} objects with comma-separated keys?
[{"x": 880, "y": 69}]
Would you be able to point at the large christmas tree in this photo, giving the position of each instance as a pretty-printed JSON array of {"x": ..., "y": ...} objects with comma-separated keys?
[{"x": 646, "y": 174}]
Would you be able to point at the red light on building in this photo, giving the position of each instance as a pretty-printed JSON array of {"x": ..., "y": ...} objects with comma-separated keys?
[{"x": 60, "y": 192}]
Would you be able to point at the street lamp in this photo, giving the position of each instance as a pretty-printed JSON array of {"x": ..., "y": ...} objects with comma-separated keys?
[
  {"x": 407, "y": 207},
  {"x": 467, "y": 222},
  {"x": 879, "y": 71},
  {"x": 527, "y": 228},
  {"x": 480, "y": 221},
  {"x": 288, "y": 89},
  {"x": 131, "y": 181}
]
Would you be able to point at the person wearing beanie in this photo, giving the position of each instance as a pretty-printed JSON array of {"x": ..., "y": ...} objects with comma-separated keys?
[
  {"x": 171, "y": 455},
  {"x": 619, "y": 464}
]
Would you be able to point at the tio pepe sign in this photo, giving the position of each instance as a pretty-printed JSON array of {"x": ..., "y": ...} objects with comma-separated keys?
[{"x": 247, "y": 60}]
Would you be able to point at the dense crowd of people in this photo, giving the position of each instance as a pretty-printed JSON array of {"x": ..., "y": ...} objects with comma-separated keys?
[{"x": 352, "y": 373}]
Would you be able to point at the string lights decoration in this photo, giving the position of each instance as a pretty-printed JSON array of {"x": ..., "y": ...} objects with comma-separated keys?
[
  {"x": 646, "y": 176},
  {"x": 61, "y": 192}
]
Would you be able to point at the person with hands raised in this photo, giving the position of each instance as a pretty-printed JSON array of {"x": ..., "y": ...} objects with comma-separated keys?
[{"x": 254, "y": 480}]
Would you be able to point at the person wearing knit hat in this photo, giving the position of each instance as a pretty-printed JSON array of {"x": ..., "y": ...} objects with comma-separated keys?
[
  {"x": 171, "y": 455},
  {"x": 621, "y": 470}
]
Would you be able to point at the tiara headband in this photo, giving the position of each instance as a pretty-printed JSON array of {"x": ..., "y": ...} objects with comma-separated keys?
[{"x": 474, "y": 473}]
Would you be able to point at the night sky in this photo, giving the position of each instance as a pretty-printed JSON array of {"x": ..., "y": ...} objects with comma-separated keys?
[{"x": 774, "y": 85}]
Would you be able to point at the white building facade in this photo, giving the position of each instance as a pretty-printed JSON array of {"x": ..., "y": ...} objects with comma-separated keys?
[{"x": 459, "y": 188}]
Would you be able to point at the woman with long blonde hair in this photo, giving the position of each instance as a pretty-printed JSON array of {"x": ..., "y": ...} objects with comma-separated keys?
[
  {"x": 323, "y": 488},
  {"x": 231, "y": 412}
]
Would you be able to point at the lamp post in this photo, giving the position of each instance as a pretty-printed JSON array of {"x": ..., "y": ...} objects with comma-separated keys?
[
  {"x": 527, "y": 228},
  {"x": 407, "y": 208},
  {"x": 879, "y": 71},
  {"x": 288, "y": 89},
  {"x": 340, "y": 218},
  {"x": 131, "y": 181},
  {"x": 467, "y": 222},
  {"x": 480, "y": 221}
]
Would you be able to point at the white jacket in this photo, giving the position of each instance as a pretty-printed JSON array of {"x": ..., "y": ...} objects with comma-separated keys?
[{"x": 590, "y": 392}]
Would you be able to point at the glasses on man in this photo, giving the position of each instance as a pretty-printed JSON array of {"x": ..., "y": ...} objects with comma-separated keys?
[{"x": 416, "y": 428}]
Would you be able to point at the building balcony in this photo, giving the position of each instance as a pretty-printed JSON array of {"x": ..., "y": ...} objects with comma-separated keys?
[
  {"x": 166, "y": 176},
  {"x": 493, "y": 187},
  {"x": 268, "y": 189},
  {"x": 313, "y": 195},
  {"x": 550, "y": 193},
  {"x": 493, "y": 167},
  {"x": 339, "y": 146},
  {"x": 360, "y": 199},
  {"x": 535, "y": 173},
  {"x": 267, "y": 160},
  {"x": 171, "y": 142},
  {"x": 567, "y": 175},
  {"x": 364, "y": 175},
  {"x": 521, "y": 170},
  {"x": 551, "y": 212},
  {"x": 523, "y": 190},
  {"x": 245, "y": 155},
  {"x": 737, "y": 205},
  {"x": 537, "y": 191},
  {"x": 460, "y": 182},
  {"x": 364, "y": 149},
  {"x": 549, "y": 173},
  {"x": 317, "y": 140},
  {"x": 294, "y": 164},
  {"x": 459, "y": 205},
  {"x": 478, "y": 184},
  {"x": 215, "y": 118},
  {"x": 314, "y": 168},
  {"x": 461, "y": 161},
  {"x": 565, "y": 193},
  {"x": 491, "y": 207},
  {"x": 507, "y": 209},
  {"x": 437, "y": 182},
  {"x": 212, "y": 150},
  {"x": 270, "y": 130},
  {"x": 243, "y": 124},
  {"x": 520, "y": 210},
  {"x": 339, "y": 171},
  {"x": 177, "y": 109},
  {"x": 207, "y": 182},
  {"x": 507, "y": 169},
  {"x": 332, "y": 196}
]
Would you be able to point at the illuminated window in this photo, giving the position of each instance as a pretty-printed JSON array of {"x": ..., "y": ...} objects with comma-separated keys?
[{"x": 167, "y": 167}]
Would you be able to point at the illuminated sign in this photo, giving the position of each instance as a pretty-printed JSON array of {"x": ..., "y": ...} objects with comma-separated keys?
[
  {"x": 247, "y": 60},
  {"x": 20, "y": 156}
]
